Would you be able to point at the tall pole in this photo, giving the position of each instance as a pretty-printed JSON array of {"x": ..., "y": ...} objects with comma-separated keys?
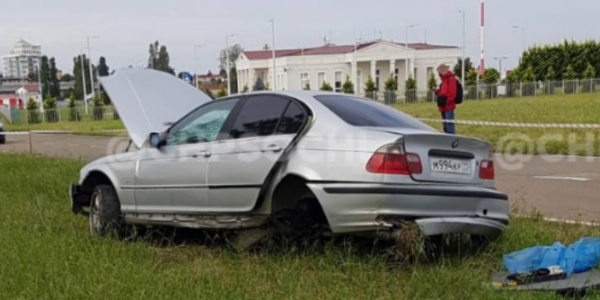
[
  {"x": 273, "y": 55},
  {"x": 84, "y": 81},
  {"x": 482, "y": 40},
  {"x": 227, "y": 64},
  {"x": 197, "y": 69},
  {"x": 464, "y": 50},
  {"x": 406, "y": 45},
  {"x": 500, "y": 59},
  {"x": 521, "y": 32},
  {"x": 41, "y": 89},
  {"x": 90, "y": 63}
]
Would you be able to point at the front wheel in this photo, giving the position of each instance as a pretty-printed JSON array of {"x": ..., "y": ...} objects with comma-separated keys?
[{"x": 105, "y": 211}]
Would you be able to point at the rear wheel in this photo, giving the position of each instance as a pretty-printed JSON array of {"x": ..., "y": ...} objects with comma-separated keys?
[{"x": 105, "y": 211}]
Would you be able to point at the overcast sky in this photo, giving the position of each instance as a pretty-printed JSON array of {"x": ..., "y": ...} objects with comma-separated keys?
[{"x": 127, "y": 27}]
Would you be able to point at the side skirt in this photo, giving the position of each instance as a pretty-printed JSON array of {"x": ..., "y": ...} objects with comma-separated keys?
[{"x": 198, "y": 221}]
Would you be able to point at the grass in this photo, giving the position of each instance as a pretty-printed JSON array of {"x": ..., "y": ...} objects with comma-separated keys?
[
  {"x": 542, "y": 109},
  {"x": 82, "y": 127},
  {"x": 47, "y": 253}
]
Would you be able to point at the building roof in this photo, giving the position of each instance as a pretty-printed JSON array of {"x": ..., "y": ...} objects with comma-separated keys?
[
  {"x": 209, "y": 76},
  {"x": 331, "y": 49}
]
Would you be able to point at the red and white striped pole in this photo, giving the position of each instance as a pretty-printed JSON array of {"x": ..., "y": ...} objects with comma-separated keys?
[{"x": 482, "y": 40}]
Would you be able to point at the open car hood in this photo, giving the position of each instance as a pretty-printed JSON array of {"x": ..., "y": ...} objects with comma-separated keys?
[{"x": 146, "y": 100}]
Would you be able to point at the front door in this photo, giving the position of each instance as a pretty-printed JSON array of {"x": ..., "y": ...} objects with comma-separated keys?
[
  {"x": 172, "y": 179},
  {"x": 240, "y": 163}
]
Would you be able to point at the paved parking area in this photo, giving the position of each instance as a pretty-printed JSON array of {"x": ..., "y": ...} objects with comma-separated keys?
[{"x": 566, "y": 189}]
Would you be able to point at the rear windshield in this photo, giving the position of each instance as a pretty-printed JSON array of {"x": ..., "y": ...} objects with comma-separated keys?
[{"x": 368, "y": 113}]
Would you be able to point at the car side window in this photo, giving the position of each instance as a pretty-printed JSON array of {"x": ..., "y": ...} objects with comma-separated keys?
[
  {"x": 259, "y": 116},
  {"x": 292, "y": 120},
  {"x": 201, "y": 126}
]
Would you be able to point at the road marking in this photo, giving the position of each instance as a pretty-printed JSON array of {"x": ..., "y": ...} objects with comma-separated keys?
[
  {"x": 563, "y": 221},
  {"x": 562, "y": 178}
]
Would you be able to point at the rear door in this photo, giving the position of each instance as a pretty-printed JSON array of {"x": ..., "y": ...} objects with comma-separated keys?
[
  {"x": 448, "y": 158},
  {"x": 240, "y": 164}
]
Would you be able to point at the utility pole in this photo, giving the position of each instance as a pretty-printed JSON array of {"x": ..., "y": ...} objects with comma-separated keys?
[
  {"x": 406, "y": 45},
  {"x": 197, "y": 69},
  {"x": 90, "y": 62},
  {"x": 227, "y": 62},
  {"x": 85, "y": 101},
  {"x": 40, "y": 84},
  {"x": 482, "y": 40},
  {"x": 464, "y": 50},
  {"x": 273, "y": 55},
  {"x": 500, "y": 59}
]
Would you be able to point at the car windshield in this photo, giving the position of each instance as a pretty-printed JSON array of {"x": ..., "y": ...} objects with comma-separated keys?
[{"x": 368, "y": 113}]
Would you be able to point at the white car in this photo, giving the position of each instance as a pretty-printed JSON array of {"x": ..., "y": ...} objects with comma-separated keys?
[{"x": 304, "y": 159}]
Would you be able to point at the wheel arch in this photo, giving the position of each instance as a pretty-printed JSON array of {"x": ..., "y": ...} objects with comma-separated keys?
[{"x": 94, "y": 178}]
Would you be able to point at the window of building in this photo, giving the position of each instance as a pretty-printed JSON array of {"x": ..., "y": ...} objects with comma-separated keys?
[
  {"x": 304, "y": 80},
  {"x": 377, "y": 80},
  {"x": 396, "y": 74},
  {"x": 320, "y": 79},
  {"x": 338, "y": 81}
]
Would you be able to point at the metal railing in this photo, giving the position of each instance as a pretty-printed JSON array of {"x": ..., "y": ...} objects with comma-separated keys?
[
  {"x": 495, "y": 91},
  {"x": 77, "y": 114}
]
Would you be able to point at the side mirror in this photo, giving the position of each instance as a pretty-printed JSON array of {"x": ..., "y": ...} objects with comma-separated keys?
[{"x": 155, "y": 140}]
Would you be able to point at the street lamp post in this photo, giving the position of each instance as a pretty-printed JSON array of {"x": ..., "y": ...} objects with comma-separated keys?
[
  {"x": 500, "y": 59},
  {"x": 90, "y": 62},
  {"x": 520, "y": 28},
  {"x": 273, "y": 55},
  {"x": 41, "y": 89},
  {"x": 227, "y": 62},
  {"x": 84, "y": 81},
  {"x": 406, "y": 44},
  {"x": 464, "y": 50},
  {"x": 197, "y": 69}
]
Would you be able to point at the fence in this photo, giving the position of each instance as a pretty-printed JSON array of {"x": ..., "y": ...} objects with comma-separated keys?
[
  {"x": 78, "y": 114},
  {"x": 484, "y": 91}
]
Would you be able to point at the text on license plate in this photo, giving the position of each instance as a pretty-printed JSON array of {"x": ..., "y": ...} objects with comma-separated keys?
[{"x": 448, "y": 165}]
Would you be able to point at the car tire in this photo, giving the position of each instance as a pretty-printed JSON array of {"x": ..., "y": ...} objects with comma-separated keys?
[{"x": 105, "y": 211}]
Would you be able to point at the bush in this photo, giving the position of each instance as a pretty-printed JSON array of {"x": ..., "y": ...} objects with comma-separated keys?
[
  {"x": 370, "y": 89},
  {"x": 33, "y": 113},
  {"x": 50, "y": 109},
  {"x": 391, "y": 87},
  {"x": 348, "y": 87},
  {"x": 98, "y": 108},
  {"x": 326, "y": 87},
  {"x": 431, "y": 85},
  {"x": 410, "y": 87}
]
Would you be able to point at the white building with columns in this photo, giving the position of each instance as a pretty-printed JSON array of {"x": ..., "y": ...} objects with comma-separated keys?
[{"x": 333, "y": 63}]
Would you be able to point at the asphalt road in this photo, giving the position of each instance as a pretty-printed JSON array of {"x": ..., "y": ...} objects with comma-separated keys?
[{"x": 558, "y": 187}]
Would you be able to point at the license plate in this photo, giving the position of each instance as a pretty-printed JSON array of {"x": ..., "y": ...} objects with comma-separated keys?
[{"x": 449, "y": 165}]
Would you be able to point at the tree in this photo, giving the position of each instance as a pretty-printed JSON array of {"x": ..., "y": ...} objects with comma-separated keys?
[
  {"x": 259, "y": 85},
  {"x": 326, "y": 87},
  {"x": 73, "y": 112},
  {"x": 370, "y": 89},
  {"x": 471, "y": 79},
  {"x": 44, "y": 74},
  {"x": 78, "y": 73},
  {"x": 103, "y": 69},
  {"x": 306, "y": 86},
  {"x": 468, "y": 67},
  {"x": 222, "y": 91},
  {"x": 54, "y": 82},
  {"x": 67, "y": 78},
  {"x": 410, "y": 88},
  {"x": 348, "y": 86},
  {"x": 159, "y": 58},
  {"x": 390, "y": 86},
  {"x": 431, "y": 85},
  {"x": 569, "y": 73},
  {"x": 491, "y": 76},
  {"x": 590, "y": 72},
  {"x": 550, "y": 74},
  {"x": 33, "y": 114},
  {"x": 245, "y": 90},
  {"x": 234, "y": 81},
  {"x": 234, "y": 53},
  {"x": 528, "y": 80},
  {"x": 50, "y": 109},
  {"x": 97, "y": 110},
  {"x": 529, "y": 75},
  {"x": 71, "y": 104}
]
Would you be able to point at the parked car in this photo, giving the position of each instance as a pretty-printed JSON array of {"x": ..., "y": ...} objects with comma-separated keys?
[
  {"x": 298, "y": 158},
  {"x": 2, "y": 136}
]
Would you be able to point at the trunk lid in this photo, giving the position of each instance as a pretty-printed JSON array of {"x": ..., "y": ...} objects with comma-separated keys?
[
  {"x": 445, "y": 158},
  {"x": 147, "y": 99}
]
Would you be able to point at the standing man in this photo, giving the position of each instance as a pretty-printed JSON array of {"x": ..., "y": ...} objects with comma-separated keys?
[{"x": 446, "y": 97}]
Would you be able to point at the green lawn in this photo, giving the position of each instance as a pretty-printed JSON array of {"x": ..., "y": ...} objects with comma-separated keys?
[
  {"x": 46, "y": 253},
  {"x": 543, "y": 109},
  {"x": 82, "y": 127}
]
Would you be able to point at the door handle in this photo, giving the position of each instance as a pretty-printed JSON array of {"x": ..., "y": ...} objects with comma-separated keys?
[
  {"x": 202, "y": 153},
  {"x": 272, "y": 148}
]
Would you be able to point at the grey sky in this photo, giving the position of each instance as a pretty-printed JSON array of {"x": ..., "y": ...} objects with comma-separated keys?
[{"x": 128, "y": 26}]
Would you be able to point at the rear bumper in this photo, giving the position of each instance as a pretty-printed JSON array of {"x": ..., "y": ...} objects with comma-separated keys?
[{"x": 363, "y": 207}]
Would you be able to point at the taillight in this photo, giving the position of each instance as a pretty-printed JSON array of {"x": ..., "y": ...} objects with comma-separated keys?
[
  {"x": 391, "y": 159},
  {"x": 486, "y": 170}
]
